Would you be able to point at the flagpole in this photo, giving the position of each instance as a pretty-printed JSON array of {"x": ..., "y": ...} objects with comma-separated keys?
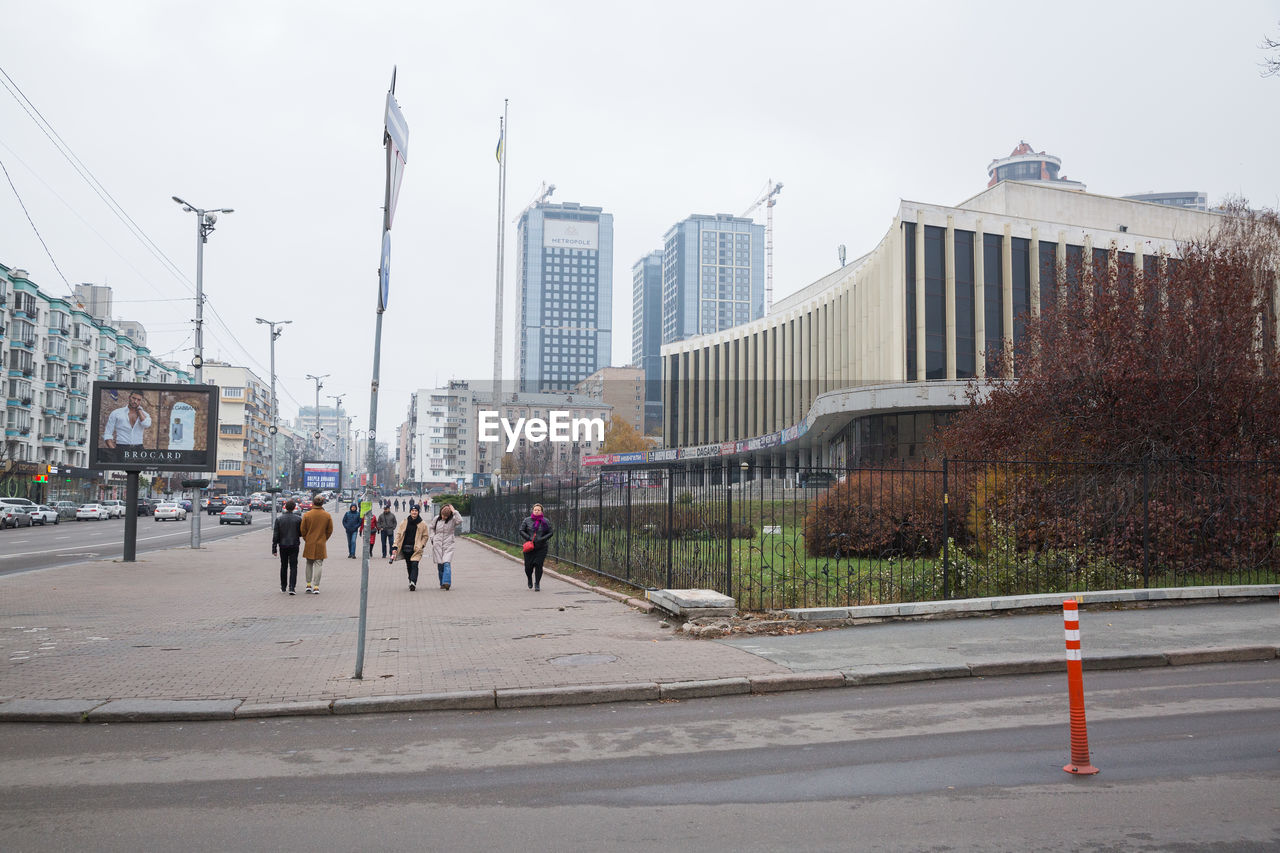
[{"x": 502, "y": 217}]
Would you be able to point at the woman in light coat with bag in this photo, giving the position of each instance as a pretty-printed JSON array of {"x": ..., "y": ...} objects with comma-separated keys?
[
  {"x": 442, "y": 536},
  {"x": 412, "y": 537}
]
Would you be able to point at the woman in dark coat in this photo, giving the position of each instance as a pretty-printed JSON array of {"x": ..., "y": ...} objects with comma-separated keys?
[{"x": 538, "y": 530}]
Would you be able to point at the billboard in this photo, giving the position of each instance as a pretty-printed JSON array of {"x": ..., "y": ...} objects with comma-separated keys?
[
  {"x": 143, "y": 426},
  {"x": 570, "y": 234},
  {"x": 320, "y": 475}
]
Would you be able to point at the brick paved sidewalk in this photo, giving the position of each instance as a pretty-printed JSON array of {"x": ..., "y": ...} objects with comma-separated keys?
[{"x": 213, "y": 624}]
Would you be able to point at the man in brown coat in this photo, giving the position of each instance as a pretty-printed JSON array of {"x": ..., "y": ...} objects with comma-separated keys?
[{"x": 317, "y": 527}]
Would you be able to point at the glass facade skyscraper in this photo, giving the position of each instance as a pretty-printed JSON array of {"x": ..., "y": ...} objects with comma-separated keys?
[
  {"x": 712, "y": 275},
  {"x": 646, "y": 327},
  {"x": 565, "y": 270}
]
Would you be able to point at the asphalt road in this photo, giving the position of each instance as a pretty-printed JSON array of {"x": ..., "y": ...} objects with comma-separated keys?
[
  {"x": 71, "y": 541},
  {"x": 1189, "y": 759}
]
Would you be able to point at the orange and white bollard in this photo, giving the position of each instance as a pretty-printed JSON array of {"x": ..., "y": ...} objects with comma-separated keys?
[{"x": 1075, "y": 690}]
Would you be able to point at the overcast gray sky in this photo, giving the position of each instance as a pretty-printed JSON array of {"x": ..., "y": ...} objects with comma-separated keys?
[{"x": 652, "y": 111}]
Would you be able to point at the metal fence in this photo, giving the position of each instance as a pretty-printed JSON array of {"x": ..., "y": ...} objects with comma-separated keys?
[{"x": 798, "y": 537}]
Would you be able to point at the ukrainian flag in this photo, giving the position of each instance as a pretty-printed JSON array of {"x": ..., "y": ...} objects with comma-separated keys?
[{"x": 498, "y": 153}]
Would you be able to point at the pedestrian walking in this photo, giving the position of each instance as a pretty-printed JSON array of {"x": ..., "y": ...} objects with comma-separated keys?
[
  {"x": 410, "y": 543},
  {"x": 285, "y": 539},
  {"x": 443, "y": 529},
  {"x": 351, "y": 523},
  {"x": 316, "y": 528},
  {"x": 397, "y": 503},
  {"x": 535, "y": 532},
  {"x": 387, "y": 529}
]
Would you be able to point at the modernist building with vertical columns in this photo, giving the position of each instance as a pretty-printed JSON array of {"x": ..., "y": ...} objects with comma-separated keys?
[{"x": 862, "y": 364}]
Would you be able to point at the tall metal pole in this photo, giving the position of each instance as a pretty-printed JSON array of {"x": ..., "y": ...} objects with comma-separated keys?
[
  {"x": 315, "y": 438},
  {"x": 205, "y": 220},
  {"x": 396, "y": 149},
  {"x": 339, "y": 435},
  {"x": 273, "y": 480},
  {"x": 197, "y": 504},
  {"x": 502, "y": 232}
]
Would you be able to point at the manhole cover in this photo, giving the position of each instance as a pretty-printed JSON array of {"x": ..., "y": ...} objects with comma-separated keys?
[{"x": 582, "y": 660}]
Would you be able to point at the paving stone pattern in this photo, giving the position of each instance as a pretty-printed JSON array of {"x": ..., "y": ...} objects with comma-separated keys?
[{"x": 212, "y": 624}]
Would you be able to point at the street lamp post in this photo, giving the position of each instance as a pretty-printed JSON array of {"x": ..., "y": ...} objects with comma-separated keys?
[
  {"x": 205, "y": 220},
  {"x": 339, "y": 434},
  {"x": 319, "y": 385},
  {"x": 273, "y": 480}
]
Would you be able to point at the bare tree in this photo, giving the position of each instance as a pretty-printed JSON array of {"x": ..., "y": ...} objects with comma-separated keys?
[{"x": 1271, "y": 64}]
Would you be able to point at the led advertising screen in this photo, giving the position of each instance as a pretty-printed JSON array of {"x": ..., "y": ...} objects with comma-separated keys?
[
  {"x": 321, "y": 475},
  {"x": 138, "y": 426}
]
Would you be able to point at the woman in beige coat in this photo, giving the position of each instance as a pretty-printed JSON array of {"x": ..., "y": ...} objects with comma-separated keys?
[
  {"x": 442, "y": 535},
  {"x": 412, "y": 536}
]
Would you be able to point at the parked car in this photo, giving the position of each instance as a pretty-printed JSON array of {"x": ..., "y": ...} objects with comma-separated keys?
[
  {"x": 236, "y": 514},
  {"x": 92, "y": 512},
  {"x": 66, "y": 509},
  {"x": 13, "y": 515},
  {"x": 43, "y": 515},
  {"x": 10, "y": 519},
  {"x": 115, "y": 508},
  {"x": 169, "y": 510}
]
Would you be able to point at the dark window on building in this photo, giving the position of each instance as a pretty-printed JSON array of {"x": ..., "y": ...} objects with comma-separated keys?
[
  {"x": 1048, "y": 275},
  {"x": 965, "y": 350},
  {"x": 993, "y": 296},
  {"x": 1101, "y": 271},
  {"x": 935, "y": 303},
  {"x": 1124, "y": 272},
  {"x": 909, "y": 265},
  {"x": 1074, "y": 270},
  {"x": 1020, "y": 249}
]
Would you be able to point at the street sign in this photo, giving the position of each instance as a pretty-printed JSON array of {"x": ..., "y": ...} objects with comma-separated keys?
[{"x": 384, "y": 271}]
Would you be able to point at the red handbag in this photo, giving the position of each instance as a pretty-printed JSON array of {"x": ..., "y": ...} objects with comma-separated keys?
[{"x": 528, "y": 546}]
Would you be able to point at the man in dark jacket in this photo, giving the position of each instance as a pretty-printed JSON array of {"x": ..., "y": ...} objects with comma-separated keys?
[
  {"x": 351, "y": 522},
  {"x": 387, "y": 527},
  {"x": 285, "y": 540}
]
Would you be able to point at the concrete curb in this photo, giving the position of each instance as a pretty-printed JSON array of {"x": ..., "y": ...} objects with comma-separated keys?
[
  {"x": 550, "y": 697},
  {"x": 701, "y": 689},
  {"x": 163, "y": 710},
  {"x": 966, "y": 606},
  {"x": 172, "y": 710}
]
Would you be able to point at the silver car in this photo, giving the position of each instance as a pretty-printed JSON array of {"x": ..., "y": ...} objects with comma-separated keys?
[{"x": 169, "y": 511}]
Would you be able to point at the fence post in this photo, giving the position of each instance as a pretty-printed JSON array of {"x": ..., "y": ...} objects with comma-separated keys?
[
  {"x": 600, "y": 527},
  {"x": 1146, "y": 521},
  {"x": 628, "y": 552},
  {"x": 946, "y": 533},
  {"x": 577, "y": 513},
  {"x": 728, "y": 529},
  {"x": 671, "y": 501}
]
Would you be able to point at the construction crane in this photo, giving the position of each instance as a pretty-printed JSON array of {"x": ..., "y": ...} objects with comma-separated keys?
[
  {"x": 544, "y": 193},
  {"x": 767, "y": 199}
]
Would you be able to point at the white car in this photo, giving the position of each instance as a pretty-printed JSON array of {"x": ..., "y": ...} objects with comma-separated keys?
[
  {"x": 115, "y": 508},
  {"x": 43, "y": 515},
  {"x": 95, "y": 512},
  {"x": 169, "y": 510}
]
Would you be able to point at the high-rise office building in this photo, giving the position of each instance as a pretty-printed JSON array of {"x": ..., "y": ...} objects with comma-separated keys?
[
  {"x": 712, "y": 275},
  {"x": 565, "y": 271}
]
